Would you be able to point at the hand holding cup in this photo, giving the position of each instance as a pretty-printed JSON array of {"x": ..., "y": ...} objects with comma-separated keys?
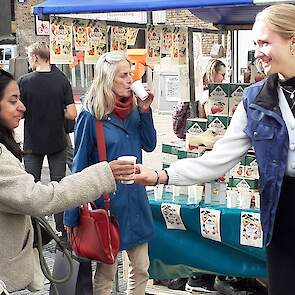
[
  {"x": 123, "y": 169},
  {"x": 128, "y": 179},
  {"x": 139, "y": 90}
]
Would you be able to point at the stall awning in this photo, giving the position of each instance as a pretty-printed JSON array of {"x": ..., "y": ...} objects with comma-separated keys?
[
  {"x": 214, "y": 11},
  {"x": 87, "y": 6},
  {"x": 228, "y": 15}
]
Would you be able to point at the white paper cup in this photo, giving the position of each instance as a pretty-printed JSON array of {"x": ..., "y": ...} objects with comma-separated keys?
[
  {"x": 231, "y": 199},
  {"x": 245, "y": 199},
  {"x": 195, "y": 193},
  {"x": 138, "y": 88},
  {"x": 129, "y": 159},
  {"x": 158, "y": 192}
]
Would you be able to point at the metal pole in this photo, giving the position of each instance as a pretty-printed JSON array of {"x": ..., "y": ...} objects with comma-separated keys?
[
  {"x": 191, "y": 70},
  {"x": 149, "y": 17}
]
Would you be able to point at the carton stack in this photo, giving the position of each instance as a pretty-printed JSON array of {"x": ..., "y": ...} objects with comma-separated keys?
[{"x": 241, "y": 182}]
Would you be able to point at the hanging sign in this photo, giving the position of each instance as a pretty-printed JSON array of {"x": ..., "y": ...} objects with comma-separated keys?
[{"x": 61, "y": 43}]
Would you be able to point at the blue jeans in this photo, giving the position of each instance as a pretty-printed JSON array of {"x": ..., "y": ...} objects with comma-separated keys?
[{"x": 57, "y": 169}]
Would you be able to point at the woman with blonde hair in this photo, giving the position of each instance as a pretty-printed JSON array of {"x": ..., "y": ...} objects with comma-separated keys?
[
  {"x": 128, "y": 128},
  {"x": 264, "y": 120},
  {"x": 215, "y": 73}
]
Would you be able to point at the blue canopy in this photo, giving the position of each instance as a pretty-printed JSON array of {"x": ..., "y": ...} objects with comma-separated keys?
[{"x": 214, "y": 11}]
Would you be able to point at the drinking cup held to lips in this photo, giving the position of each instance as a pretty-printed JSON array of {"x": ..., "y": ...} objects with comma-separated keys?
[
  {"x": 129, "y": 159},
  {"x": 138, "y": 88}
]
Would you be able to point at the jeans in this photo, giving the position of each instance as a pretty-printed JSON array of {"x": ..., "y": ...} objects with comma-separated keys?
[{"x": 57, "y": 169}]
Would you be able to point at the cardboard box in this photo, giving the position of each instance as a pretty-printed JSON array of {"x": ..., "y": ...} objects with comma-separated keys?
[
  {"x": 236, "y": 92},
  {"x": 239, "y": 169},
  {"x": 169, "y": 152},
  {"x": 218, "y": 99},
  {"x": 218, "y": 123},
  {"x": 184, "y": 153},
  {"x": 244, "y": 183},
  {"x": 251, "y": 167},
  {"x": 196, "y": 125}
]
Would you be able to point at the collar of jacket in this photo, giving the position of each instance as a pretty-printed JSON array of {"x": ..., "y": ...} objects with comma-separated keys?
[{"x": 268, "y": 95}]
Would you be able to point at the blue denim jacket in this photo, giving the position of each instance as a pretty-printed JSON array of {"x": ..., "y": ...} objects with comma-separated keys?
[{"x": 269, "y": 135}]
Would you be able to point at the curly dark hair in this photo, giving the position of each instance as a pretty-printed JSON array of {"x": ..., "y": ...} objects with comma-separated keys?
[{"x": 6, "y": 134}]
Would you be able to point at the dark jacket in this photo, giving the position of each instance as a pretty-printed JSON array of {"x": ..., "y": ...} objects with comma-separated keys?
[{"x": 269, "y": 135}]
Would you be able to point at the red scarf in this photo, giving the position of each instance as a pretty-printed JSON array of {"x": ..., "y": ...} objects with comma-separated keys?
[{"x": 123, "y": 107}]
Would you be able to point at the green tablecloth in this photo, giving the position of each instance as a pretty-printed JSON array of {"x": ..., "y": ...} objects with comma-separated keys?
[{"x": 179, "y": 253}]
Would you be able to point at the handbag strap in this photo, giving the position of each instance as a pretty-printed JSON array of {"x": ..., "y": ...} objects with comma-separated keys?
[{"x": 102, "y": 156}]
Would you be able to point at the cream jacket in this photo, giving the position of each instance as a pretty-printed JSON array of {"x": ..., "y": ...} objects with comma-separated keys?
[{"x": 21, "y": 197}]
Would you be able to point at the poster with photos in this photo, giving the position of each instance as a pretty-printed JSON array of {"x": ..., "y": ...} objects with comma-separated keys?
[
  {"x": 167, "y": 40},
  {"x": 210, "y": 224},
  {"x": 132, "y": 36},
  {"x": 179, "y": 45},
  {"x": 80, "y": 34},
  {"x": 119, "y": 38},
  {"x": 171, "y": 214},
  {"x": 97, "y": 40},
  {"x": 153, "y": 44},
  {"x": 251, "y": 231},
  {"x": 41, "y": 27},
  {"x": 61, "y": 41}
]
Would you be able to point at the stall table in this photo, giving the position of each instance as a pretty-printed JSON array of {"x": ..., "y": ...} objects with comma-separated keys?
[{"x": 179, "y": 253}]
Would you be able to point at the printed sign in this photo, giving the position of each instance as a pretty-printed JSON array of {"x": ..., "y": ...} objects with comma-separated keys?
[
  {"x": 179, "y": 46},
  {"x": 171, "y": 214},
  {"x": 42, "y": 27},
  {"x": 80, "y": 34},
  {"x": 118, "y": 38},
  {"x": 61, "y": 43},
  {"x": 210, "y": 224},
  {"x": 132, "y": 36},
  {"x": 167, "y": 40},
  {"x": 153, "y": 44},
  {"x": 251, "y": 231},
  {"x": 97, "y": 39}
]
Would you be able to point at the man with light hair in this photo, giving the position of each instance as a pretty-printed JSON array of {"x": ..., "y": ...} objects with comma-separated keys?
[{"x": 48, "y": 98}]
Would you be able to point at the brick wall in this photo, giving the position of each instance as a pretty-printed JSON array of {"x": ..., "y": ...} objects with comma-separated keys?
[
  {"x": 183, "y": 17},
  {"x": 25, "y": 25}
]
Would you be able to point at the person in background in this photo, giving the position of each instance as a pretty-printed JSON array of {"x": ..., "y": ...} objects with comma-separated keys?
[
  {"x": 20, "y": 195},
  {"x": 215, "y": 73},
  {"x": 48, "y": 98},
  {"x": 128, "y": 128},
  {"x": 264, "y": 120}
]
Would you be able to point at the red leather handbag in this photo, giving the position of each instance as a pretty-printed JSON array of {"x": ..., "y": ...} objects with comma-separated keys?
[{"x": 98, "y": 237}]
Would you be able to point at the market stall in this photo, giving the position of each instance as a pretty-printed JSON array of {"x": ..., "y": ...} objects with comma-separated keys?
[
  {"x": 178, "y": 251},
  {"x": 181, "y": 250}
]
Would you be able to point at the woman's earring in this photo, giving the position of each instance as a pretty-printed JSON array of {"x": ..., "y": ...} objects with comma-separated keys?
[{"x": 291, "y": 50}]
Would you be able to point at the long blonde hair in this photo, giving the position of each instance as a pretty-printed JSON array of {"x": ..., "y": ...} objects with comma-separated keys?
[
  {"x": 281, "y": 17},
  {"x": 99, "y": 100},
  {"x": 213, "y": 67}
]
